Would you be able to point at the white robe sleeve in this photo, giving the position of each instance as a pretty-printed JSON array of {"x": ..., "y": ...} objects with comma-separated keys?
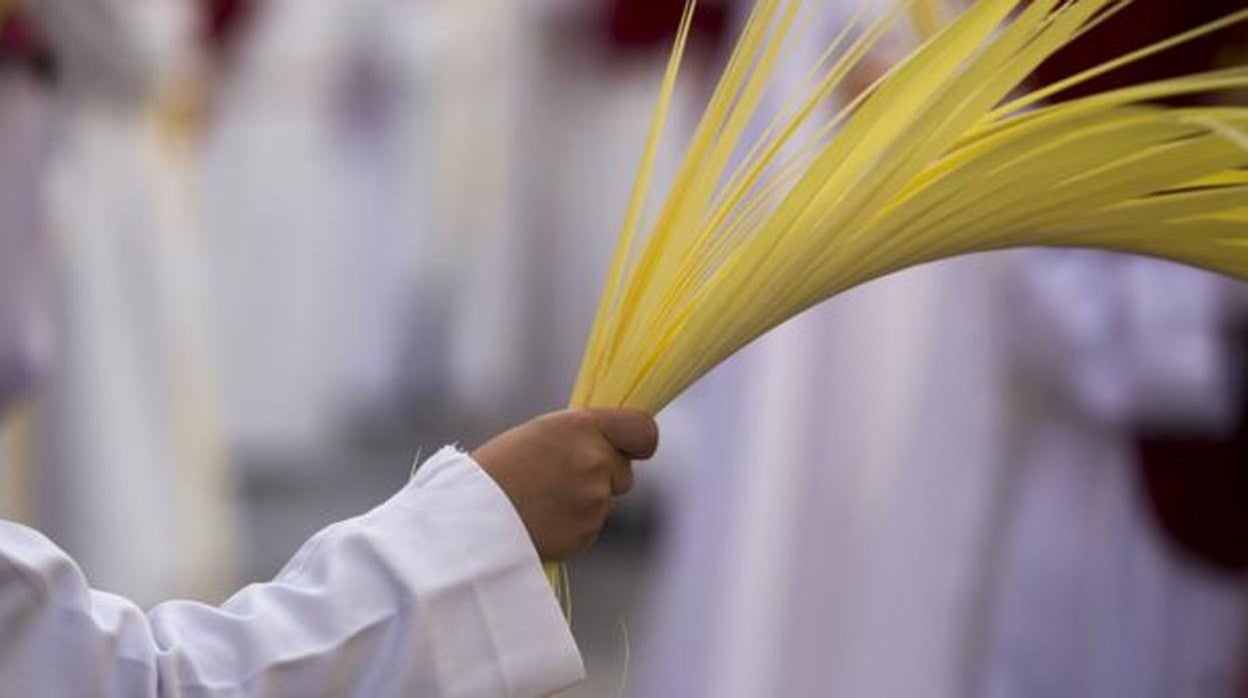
[{"x": 436, "y": 592}]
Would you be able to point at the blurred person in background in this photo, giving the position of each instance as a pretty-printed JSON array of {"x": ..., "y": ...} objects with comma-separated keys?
[
  {"x": 1126, "y": 372},
  {"x": 1087, "y": 596},
  {"x": 316, "y": 170},
  {"x": 929, "y": 486},
  {"x": 369, "y": 155},
  {"x": 825, "y": 534},
  {"x": 130, "y": 472},
  {"x": 25, "y": 75}
]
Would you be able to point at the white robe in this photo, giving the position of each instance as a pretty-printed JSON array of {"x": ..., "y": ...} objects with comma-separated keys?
[{"x": 437, "y": 593}]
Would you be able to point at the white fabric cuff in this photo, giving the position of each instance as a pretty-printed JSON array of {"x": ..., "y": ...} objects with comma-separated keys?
[{"x": 478, "y": 536}]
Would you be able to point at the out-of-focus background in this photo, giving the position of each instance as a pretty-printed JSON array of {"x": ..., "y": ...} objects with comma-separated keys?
[{"x": 256, "y": 255}]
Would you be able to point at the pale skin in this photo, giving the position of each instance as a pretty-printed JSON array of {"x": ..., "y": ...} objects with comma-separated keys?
[{"x": 563, "y": 470}]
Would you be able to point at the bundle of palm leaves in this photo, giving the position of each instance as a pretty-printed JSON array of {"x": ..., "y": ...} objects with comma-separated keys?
[{"x": 947, "y": 154}]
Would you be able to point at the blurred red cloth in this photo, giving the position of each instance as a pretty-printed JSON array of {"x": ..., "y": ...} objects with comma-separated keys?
[
  {"x": 632, "y": 25},
  {"x": 22, "y": 44},
  {"x": 224, "y": 21},
  {"x": 1145, "y": 22},
  {"x": 1198, "y": 489}
]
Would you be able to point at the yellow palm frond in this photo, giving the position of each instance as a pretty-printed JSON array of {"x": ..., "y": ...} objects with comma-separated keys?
[{"x": 942, "y": 157}]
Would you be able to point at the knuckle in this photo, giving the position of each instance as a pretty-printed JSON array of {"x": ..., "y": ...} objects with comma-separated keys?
[
  {"x": 606, "y": 462},
  {"x": 593, "y": 459}
]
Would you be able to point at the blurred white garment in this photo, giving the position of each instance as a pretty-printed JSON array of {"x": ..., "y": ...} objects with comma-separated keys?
[
  {"x": 383, "y": 604},
  {"x": 363, "y": 202},
  {"x": 1090, "y": 599},
  {"x": 289, "y": 250},
  {"x": 828, "y": 540},
  {"x": 132, "y": 477}
]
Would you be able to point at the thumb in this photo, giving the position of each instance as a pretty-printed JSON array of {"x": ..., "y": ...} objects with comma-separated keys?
[{"x": 632, "y": 432}]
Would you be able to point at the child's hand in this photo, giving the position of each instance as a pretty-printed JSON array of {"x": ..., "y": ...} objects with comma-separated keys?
[{"x": 561, "y": 471}]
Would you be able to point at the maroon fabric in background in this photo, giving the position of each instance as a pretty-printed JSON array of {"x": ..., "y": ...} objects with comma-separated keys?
[
  {"x": 17, "y": 36},
  {"x": 644, "y": 25},
  {"x": 1198, "y": 485},
  {"x": 21, "y": 43},
  {"x": 1142, "y": 23},
  {"x": 224, "y": 22},
  {"x": 1199, "y": 489}
]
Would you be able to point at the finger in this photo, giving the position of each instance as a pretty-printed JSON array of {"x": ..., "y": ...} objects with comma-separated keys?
[
  {"x": 631, "y": 432},
  {"x": 621, "y": 476}
]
